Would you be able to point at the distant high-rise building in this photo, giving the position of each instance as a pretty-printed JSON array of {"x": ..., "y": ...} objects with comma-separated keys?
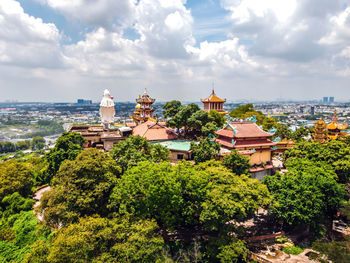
[
  {"x": 331, "y": 99},
  {"x": 312, "y": 110},
  {"x": 325, "y": 99},
  {"x": 84, "y": 102}
]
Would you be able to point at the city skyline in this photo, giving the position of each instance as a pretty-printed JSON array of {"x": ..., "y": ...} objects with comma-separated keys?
[{"x": 63, "y": 50}]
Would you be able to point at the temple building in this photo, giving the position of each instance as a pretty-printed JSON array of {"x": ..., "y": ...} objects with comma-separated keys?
[
  {"x": 213, "y": 102},
  {"x": 154, "y": 131},
  {"x": 320, "y": 132},
  {"x": 143, "y": 109},
  {"x": 284, "y": 145},
  {"x": 250, "y": 141},
  {"x": 336, "y": 129},
  {"x": 103, "y": 136}
]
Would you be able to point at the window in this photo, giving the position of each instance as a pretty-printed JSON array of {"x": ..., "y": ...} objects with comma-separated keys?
[{"x": 180, "y": 156}]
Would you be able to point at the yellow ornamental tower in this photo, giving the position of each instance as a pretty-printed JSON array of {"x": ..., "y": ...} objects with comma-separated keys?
[
  {"x": 143, "y": 109},
  {"x": 320, "y": 132},
  {"x": 336, "y": 129}
]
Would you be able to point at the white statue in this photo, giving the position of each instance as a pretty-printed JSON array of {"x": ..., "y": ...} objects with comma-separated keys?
[{"x": 107, "y": 110}]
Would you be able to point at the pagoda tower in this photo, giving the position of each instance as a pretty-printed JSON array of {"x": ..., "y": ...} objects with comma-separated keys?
[
  {"x": 143, "y": 109},
  {"x": 336, "y": 129},
  {"x": 320, "y": 132},
  {"x": 213, "y": 102}
]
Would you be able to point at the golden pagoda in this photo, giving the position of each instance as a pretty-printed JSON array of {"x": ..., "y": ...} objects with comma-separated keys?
[
  {"x": 320, "y": 132},
  {"x": 336, "y": 129},
  {"x": 143, "y": 109},
  {"x": 213, "y": 102}
]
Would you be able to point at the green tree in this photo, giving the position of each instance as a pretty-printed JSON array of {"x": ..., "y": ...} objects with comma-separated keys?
[
  {"x": 245, "y": 111},
  {"x": 38, "y": 143},
  {"x": 67, "y": 147},
  {"x": 135, "y": 149},
  {"x": 269, "y": 123},
  {"x": 334, "y": 153},
  {"x": 205, "y": 150},
  {"x": 7, "y": 147},
  {"x": 15, "y": 176},
  {"x": 81, "y": 188},
  {"x": 170, "y": 109},
  {"x": 307, "y": 194},
  {"x": 198, "y": 120},
  {"x": 181, "y": 119},
  {"x": 26, "y": 230},
  {"x": 240, "y": 111},
  {"x": 23, "y": 145},
  {"x": 234, "y": 252},
  {"x": 299, "y": 134},
  {"x": 237, "y": 163},
  {"x": 187, "y": 196},
  {"x": 218, "y": 118},
  {"x": 209, "y": 128},
  {"x": 95, "y": 239},
  {"x": 283, "y": 131}
]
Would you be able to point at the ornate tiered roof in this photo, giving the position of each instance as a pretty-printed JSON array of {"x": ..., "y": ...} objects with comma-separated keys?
[
  {"x": 213, "y": 98},
  {"x": 244, "y": 134},
  {"x": 335, "y": 125},
  {"x": 143, "y": 109},
  {"x": 320, "y": 131}
]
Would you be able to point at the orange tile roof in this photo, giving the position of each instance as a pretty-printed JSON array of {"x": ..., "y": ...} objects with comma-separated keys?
[
  {"x": 243, "y": 130},
  {"x": 337, "y": 126},
  {"x": 213, "y": 98},
  {"x": 154, "y": 131}
]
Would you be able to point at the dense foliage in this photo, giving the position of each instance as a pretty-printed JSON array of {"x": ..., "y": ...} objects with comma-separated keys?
[
  {"x": 135, "y": 149},
  {"x": 247, "y": 110},
  {"x": 96, "y": 239},
  {"x": 237, "y": 163},
  {"x": 192, "y": 119},
  {"x": 132, "y": 205},
  {"x": 204, "y": 150},
  {"x": 67, "y": 147},
  {"x": 187, "y": 195},
  {"x": 306, "y": 195},
  {"x": 80, "y": 188},
  {"x": 334, "y": 153},
  {"x": 37, "y": 143}
]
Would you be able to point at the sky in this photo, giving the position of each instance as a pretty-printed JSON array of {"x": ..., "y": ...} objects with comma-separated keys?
[{"x": 62, "y": 50}]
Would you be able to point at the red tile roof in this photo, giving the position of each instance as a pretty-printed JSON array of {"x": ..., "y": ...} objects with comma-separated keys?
[
  {"x": 154, "y": 131},
  {"x": 243, "y": 130},
  {"x": 265, "y": 143}
]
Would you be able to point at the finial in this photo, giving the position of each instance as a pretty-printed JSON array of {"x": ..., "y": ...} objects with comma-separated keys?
[
  {"x": 145, "y": 92},
  {"x": 213, "y": 92},
  {"x": 335, "y": 116}
]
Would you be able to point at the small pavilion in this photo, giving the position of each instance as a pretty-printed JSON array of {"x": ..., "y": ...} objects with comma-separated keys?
[{"x": 213, "y": 102}]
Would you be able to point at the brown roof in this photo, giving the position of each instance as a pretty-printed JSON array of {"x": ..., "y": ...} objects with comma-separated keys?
[
  {"x": 243, "y": 130},
  {"x": 213, "y": 98},
  {"x": 154, "y": 131}
]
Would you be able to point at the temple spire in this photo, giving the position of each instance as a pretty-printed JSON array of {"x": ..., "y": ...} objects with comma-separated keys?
[
  {"x": 212, "y": 91},
  {"x": 335, "y": 116}
]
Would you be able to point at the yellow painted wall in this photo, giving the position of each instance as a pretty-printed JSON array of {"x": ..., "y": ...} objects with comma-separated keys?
[
  {"x": 259, "y": 157},
  {"x": 173, "y": 155}
]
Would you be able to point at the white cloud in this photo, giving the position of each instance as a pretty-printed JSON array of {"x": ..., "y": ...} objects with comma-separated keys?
[
  {"x": 165, "y": 27},
  {"x": 273, "y": 46},
  {"x": 95, "y": 12},
  {"x": 243, "y": 11},
  {"x": 25, "y": 40}
]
